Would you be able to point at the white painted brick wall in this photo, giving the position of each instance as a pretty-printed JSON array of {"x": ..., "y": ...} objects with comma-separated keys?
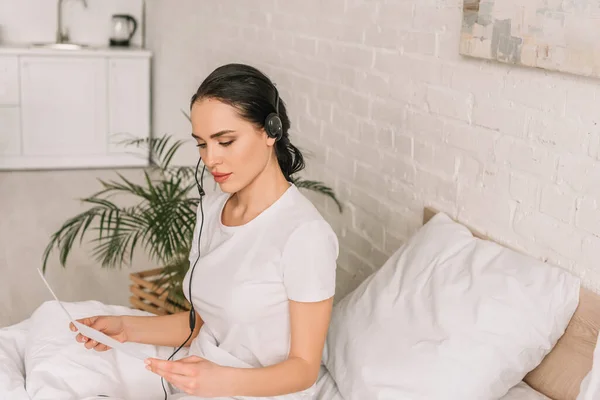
[
  {"x": 525, "y": 190},
  {"x": 558, "y": 203},
  {"x": 588, "y": 215},
  {"x": 396, "y": 119}
]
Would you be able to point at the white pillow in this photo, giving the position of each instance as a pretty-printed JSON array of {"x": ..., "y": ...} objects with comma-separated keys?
[
  {"x": 448, "y": 316},
  {"x": 524, "y": 392},
  {"x": 590, "y": 386}
]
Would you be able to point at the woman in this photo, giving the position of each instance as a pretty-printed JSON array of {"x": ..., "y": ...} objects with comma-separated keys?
[{"x": 262, "y": 289}]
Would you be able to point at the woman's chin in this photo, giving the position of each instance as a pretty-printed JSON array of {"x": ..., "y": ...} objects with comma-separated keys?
[
  {"x": 232, "y": 186},
  {"x": 227, "y": 187}
]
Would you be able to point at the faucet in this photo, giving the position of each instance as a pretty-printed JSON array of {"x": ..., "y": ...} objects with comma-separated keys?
[{"x": 62, "y": 36}]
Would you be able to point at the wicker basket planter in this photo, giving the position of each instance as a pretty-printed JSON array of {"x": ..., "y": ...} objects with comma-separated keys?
[{"x": 147, "y": 296}]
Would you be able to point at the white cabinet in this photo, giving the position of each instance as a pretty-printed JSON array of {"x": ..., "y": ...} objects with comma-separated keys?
[
  {"x": 69, "y": 109},
  {"x": 10, "y": 131},
  {"x": 129, "y": 99},
  {"x": 63, "y": 106},
  {"x": 9, "y": 81}
]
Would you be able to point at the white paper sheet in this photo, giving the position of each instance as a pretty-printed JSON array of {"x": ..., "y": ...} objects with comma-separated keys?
[{"x": 95, "y": 334}]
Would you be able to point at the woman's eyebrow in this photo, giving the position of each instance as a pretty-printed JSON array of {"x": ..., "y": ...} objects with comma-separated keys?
[{"x": 215, "y": 135}]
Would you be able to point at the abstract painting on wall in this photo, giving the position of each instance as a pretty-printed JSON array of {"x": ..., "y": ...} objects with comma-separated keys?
[{"x": 560, "y": 35}]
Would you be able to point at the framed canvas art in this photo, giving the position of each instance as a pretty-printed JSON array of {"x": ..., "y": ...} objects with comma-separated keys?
[{"x": 560, "y": 35}]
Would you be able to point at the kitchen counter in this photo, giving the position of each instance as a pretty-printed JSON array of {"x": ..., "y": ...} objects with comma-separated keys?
[{"x": 91, "y": 51}]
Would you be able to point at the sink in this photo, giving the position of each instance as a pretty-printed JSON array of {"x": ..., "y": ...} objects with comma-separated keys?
[{"x": 61, "y": 46}]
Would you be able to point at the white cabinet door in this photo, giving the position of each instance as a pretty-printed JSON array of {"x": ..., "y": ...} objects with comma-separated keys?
[
  {"x": 9, "y": 80},
  {"x": 10, "y": 131},
  {"x": 64, "y": 110},
  {"x": 129, "y": 104}
]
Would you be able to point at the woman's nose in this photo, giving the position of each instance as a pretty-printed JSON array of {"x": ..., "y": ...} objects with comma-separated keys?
[{"x": 211, "y": 157}]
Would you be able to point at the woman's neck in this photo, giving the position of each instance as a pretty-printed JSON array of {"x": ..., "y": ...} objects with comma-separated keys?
[{"x": 259, "y": 194}]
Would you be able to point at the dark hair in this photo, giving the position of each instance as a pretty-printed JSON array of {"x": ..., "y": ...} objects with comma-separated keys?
[{"x": 254, "y": 96}]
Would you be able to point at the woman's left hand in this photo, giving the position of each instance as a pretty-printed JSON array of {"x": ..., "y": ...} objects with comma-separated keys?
[{"x": 194, "y": 375}]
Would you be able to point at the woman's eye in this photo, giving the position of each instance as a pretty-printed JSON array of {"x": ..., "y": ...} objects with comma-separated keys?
[{"x": 225, "y": 144}]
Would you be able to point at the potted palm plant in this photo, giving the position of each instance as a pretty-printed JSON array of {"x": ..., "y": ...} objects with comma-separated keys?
[{"x": 162, "y": 221}]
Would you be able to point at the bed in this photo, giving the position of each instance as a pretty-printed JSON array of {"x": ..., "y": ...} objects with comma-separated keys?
[
  {"x": 42, "y": 352},
  {"x": 132, "y": 380}
]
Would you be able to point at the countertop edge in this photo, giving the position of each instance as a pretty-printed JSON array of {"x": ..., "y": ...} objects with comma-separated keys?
[{"x": 92, "y": 51}]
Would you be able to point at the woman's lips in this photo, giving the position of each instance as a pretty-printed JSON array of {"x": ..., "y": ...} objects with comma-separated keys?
[{"x": 220, "y": 178}]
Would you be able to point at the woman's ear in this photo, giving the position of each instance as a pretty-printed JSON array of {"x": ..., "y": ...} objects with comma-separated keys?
[{"x": 269, "y": 140}]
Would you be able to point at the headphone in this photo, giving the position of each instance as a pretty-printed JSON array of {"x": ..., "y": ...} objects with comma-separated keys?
[
  {"x": 273, "y": 124},
  {"x": 274, "y": 128}
]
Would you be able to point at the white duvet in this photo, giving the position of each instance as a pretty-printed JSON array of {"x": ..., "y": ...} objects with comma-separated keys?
[
  {"x": 41, "y": 355},
  {"x": 40, "y": 359}
]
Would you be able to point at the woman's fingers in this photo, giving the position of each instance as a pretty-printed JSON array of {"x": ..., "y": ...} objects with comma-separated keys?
[
  {"x": 92, "y": 344},
  {"x": 81, "y": 339},
  {"x": 88, "y": 343},
  {"x": 101, "y": 347},
  {"x": 84, "y": 321}
]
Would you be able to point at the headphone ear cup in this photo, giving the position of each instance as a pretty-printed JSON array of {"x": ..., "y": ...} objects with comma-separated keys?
[{"x": 274, "y": 126}]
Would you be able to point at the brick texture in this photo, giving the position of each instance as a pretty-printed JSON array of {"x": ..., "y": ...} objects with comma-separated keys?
[{"x": 396, "y": 120}]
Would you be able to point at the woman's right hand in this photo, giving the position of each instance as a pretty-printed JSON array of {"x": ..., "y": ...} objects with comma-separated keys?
[{"x": 110, "y": 325}]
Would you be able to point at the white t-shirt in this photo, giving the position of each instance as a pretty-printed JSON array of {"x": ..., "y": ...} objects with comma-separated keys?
[{"x": 247, "y": 273}]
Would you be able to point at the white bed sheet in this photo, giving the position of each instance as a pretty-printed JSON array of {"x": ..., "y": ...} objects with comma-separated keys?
[{"x": 36, "y": 346}]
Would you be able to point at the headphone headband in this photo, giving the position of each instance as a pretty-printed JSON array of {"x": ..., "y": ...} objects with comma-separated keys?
[{"x": 273, "y": 125}]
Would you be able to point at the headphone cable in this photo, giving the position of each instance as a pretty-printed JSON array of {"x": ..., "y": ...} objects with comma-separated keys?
[{"x": 192, "y": 318}]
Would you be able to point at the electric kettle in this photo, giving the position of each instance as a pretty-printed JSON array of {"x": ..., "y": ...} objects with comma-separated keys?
[{"x": 123, "y": 28}]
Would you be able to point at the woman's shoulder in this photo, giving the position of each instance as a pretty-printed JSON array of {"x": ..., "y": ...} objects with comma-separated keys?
[
  {"x": 302, "y": 218},
  {"x": 301, "y": 208}
]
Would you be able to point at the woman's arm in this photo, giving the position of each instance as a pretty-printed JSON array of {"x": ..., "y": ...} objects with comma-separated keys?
[
  {"x": 200, "y": 377},
  {"x": 309, "y": 325},
  {"x": 165, "y": 330},
  {"x": 292, "y": 375}
]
